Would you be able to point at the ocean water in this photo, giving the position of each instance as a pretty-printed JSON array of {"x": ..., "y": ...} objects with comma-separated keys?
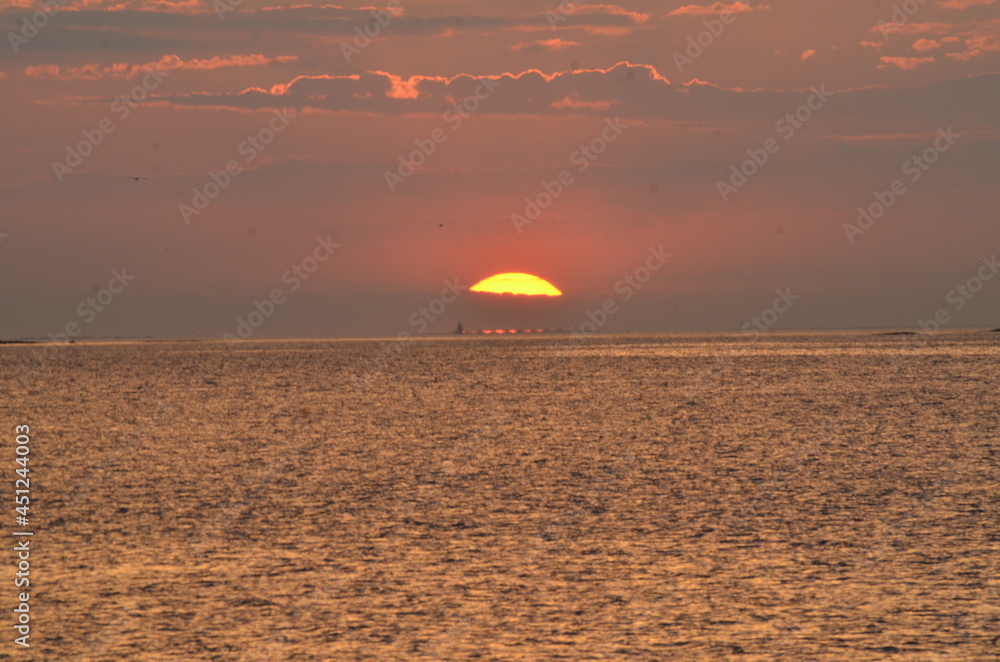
[{"x": 797, "y": 497}]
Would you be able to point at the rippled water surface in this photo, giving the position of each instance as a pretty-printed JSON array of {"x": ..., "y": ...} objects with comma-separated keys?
[{"x": 806, "y": 497}]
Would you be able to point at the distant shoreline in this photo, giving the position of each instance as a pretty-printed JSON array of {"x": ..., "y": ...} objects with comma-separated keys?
[{"x": 547, "y": 333}]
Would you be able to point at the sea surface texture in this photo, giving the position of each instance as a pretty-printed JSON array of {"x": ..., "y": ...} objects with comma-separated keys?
[{"x": 795, "y": 497}]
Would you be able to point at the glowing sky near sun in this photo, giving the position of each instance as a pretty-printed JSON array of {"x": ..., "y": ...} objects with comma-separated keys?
[{"x": 282, "y": 122}]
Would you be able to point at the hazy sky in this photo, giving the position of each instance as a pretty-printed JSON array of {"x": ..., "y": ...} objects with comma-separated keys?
[{"x": 369, "y": 177}]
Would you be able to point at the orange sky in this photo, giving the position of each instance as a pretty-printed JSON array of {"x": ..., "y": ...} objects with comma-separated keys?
[{"x": 422, "y": 150}]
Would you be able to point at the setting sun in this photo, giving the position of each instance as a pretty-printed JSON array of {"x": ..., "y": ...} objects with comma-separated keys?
[{"x": 516, "y": 283}]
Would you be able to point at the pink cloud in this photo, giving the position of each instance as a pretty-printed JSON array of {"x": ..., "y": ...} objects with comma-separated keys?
[
  {"x": 165, "y": 63},
  {"x": 808, "y": 53},
  {"x": 908, "y": 63},
  {"x": 573, "y": 101},
  {"x": 408, "y": 88},
  {"x": 395, "y": 11},
  {"x": 881, "y": 137},
  {"x": 544, "y": 44},
  {"x": 915, "y": 28},
  {"x": 168, "y": 6},
  {"x": 608, "y": 30},
  {"x": 716, "y": 8},
  {"x": 611, "y": 10},
  {"x": 628, "y": 90},
  {"x": 977, "y": 44},
  {"x": 926, "y": 45},
  {"x": 979, "y": 37},
  {"x": 964, "y": 4}
]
